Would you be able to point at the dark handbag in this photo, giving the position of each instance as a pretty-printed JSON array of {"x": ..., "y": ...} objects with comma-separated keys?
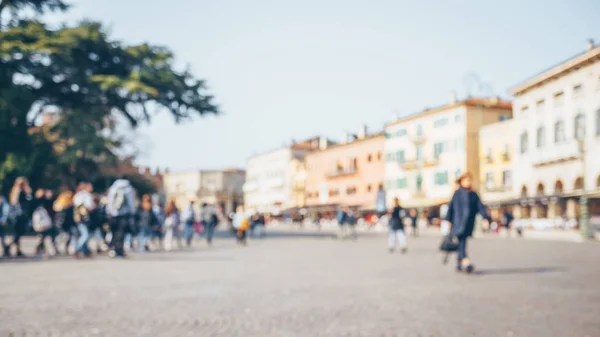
[{"x": 449, "y": 244}]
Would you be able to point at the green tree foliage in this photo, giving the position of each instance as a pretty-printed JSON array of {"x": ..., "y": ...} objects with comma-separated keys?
[{"x": 91, "y": 81}]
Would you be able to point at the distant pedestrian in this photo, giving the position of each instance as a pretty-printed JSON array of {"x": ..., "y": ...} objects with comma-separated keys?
[
  {"x": 342, "y": 219},
  {"x": 120, "y": 210},
  {"x": 396, "y": 232},
  {"x": 145, "y": 221},
  {"x": 4, "y": 210},
  {"x": 158, "y": 229},
  {"x": 507, "y": 220},
  {"x": 241, "y": 224},
  {"x": 210, "y": 221},
  {"x": 412, "y": 216},
  {"x": 189, "y": 218},
  {"x": 83, "y": 203},
  {"x": 172, "y": 226},
  {"x": 20, "y": 211},
  {"x": 463, "y": 208},
  {"x": 44, "y": 200},
  {"x": 63, "y": 219}
]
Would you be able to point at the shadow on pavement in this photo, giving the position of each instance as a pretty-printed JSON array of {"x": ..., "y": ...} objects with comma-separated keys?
[{"x": 512, "y": 271}]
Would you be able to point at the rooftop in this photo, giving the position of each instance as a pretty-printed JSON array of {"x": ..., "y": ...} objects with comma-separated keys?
[
  {"x": 349, "y": 143},
  {"x": 592, "y": 54},
  {"x": 488, "y": 102}
]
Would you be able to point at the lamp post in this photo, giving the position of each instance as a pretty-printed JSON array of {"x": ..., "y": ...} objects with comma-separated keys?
[{"x": 584, "y": 227}]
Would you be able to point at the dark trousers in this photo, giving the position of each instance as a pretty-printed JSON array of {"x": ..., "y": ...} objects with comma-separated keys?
[
  {"x": 119, "y": 225},
  {"x": 209, "y": 231},
  {"x": 5, "y": 247},
  {"x": 20, "y": 228},
  {"x": 52, "y": 233},
  {"x": 462, "y": 248}
]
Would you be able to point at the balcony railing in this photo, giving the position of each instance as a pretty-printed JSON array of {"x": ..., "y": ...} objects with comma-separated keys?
[
  {"x": 414, "y": 164},
  {"x": 495, "y": 188},
  {"x": 556, "y": 153},
  {"x": 342, "y": 172},
  {"x": 418, "y": 139}
]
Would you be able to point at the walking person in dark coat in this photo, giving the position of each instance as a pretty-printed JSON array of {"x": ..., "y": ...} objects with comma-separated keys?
[
  {"x": 463, "y": 208},
  {"x": 396, "y": 233}
]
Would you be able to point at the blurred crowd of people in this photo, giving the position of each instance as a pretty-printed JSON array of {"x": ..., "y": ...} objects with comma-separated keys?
[{"x": 113, "y": 223}]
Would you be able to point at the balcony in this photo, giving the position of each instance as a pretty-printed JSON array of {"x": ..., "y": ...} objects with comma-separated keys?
[
  {"x": 501, "y": 188},
  {"x": 556, "y": 153},
  {"x": 415, "y": 164},
  {"x": 342, "y": 172},
  {"x": 506, "y": 156},
  {"x": 417, "y": 139}
]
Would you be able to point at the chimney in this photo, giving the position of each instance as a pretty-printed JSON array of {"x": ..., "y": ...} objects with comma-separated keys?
[
  {"x": 345, "y": 137},
  {"x": 147, "y": 171},
  {"x": 323, "y": 143},
  {"x": 362, "y": 133},
  {"x": 452, "y": 97},
  {"x": 590, "y": 44}
]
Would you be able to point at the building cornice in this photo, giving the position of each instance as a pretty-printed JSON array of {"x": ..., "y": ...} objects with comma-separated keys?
[{"x": 574, "y": 63}]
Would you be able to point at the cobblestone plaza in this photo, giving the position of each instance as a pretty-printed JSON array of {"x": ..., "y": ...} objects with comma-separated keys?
[{"x": 308, "y": 284}]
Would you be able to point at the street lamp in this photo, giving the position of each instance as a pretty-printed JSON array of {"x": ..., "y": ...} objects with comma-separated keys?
[{"x": 584, "y": 227}]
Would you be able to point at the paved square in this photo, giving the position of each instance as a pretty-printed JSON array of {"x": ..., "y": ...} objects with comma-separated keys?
[{"x": 310, "y": 286}]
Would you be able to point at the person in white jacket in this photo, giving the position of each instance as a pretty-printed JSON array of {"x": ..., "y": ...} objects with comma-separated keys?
[{"x": 121, "y": 210}]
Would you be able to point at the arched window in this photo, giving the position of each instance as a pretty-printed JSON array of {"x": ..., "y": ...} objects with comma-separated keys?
[
  {"x": 524, "y": 191},
  {"x": 598, "y": 182},
  {"x": 579, "y": 126},
  {"x": 558, "y": 187},
  {"x": 541, "y": 137},
  {"x": 540, "y": 189},
  {"x": 578, "y": 183},
  {"x": 559, "y": 131}
]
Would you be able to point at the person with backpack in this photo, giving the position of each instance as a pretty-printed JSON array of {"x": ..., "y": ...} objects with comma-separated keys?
[
  {"x": 463, "y": 208},
  {"x": 64, "y": 219},
  {"x": 121, "y": 211},
  {"x": 97, "y": 223},
  {"x": 158, "y": 228},
  {"x": 43, "y": 220},
  {"x": 4, "y": 210},
  {"x": 20, "y": 211},
  {"x": 83, "y": 203}
]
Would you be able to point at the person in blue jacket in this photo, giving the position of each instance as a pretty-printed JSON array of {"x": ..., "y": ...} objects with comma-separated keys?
[{"x": 463, "y": 208}]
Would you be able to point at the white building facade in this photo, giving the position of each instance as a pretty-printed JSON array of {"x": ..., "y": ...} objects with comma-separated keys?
[
  {"x": 557, "y": 114},
  {"x": 273, "y": 179},
  {"x": 426, "y": 152}
]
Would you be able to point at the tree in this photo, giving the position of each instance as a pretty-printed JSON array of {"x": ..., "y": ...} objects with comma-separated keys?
[{"x": 90, "y": 80}]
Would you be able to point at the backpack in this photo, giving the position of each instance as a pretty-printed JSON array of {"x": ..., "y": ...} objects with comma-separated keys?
[
  {"x": 120, "y": 199},
  {"x": 80, "y": 214},
  {"x": 41, "y": 220}
]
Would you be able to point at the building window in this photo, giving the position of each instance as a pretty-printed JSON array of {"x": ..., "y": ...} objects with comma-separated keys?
[
  {"x": 506, "y": 178},
  {"x": 369, "y": 188},
  {"x": 401, "y": 133},
  {"x": 489, "y": 180},
  {"x": 598, "y": 122},
  {"x": 333, "y": 193},
  {"x": 579, "y": 131},
  {"x": 506, "y": 154},
  {"x": 524, "y": 142},
  {"x": 391, "y": 156},
  {"x": 369, "y": 158},
  {"x": 457, "y": 173},
  {"x": 503, "y": 118},
  {"x": 441, "y": 178},
  {"x": 559, "y": 98},
  {"x": 388, "y": 135},
  {"x": 438, "y": 149},
  {"x": 539, "y": 105},
  {"x": 401, "y": 183},
  {"x": 419, "y": 130},
  {"x": 489, "y": 158},
  {"x": 458, "y": 118},
  {"x": 351, "y": 190},
  {"x": 524, "y": 111},
  {"x": 541, "y": 137},
  {"x": 559, "y": 132},
  {"x": 577, "y": 90},
  {"x": 400, "y": 156},
  {"x": 419, "y": 151},
  {"x": 460, "y": 143},
  {"x": 440, "y": 122},
  {"x": 378, "y": 156}
]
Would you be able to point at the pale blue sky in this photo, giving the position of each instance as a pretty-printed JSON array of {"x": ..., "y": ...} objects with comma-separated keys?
[{"x": 291, "y": 69}]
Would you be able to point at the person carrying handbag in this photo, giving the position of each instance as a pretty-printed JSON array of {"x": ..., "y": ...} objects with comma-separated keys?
[{"x": 463, "y": 208}]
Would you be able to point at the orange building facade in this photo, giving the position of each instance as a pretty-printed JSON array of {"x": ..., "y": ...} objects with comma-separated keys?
[{"x": 346, "y": 174}]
